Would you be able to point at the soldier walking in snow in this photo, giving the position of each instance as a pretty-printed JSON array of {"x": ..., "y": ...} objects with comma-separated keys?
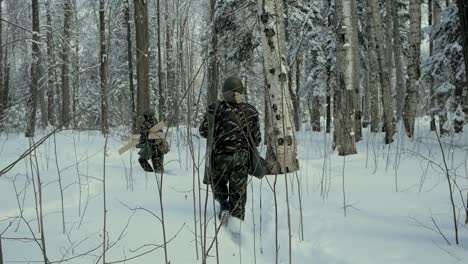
[
  {"x": 153, "y": 149},
  {"x": 235, "y": 123}
]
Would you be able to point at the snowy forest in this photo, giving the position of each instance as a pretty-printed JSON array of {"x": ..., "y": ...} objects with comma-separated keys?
[{"x": 362, "y": 108}]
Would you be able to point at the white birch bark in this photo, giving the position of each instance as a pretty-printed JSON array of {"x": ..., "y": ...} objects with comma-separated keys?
[
  {"x": 282, "y": 146},
  {"x": 346, "y": 72}
]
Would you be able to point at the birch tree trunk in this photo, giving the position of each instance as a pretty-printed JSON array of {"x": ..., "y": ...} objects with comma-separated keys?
[
  {"x": 32, "y": 101},
  {"x": 282, "y": 146},
  {"x": 142, "y": 58},
  {"x": 400, "y": 84},
  {"x": 103, "y": 67},
  {"x": 65, "y": 111},
  {"x": 345, "y": 141},
  {"x": 409, "y": 114},
  {"x": 384, "y": 72}
]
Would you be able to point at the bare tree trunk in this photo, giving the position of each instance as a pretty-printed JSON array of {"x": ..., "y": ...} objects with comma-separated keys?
[
  {"x": 2, "y": 92},
  {"x": 357, "y": 77},
  {"x": 294, "y": 96},
  {"x": 346, "y": 72},
  {"x": 65, "y": 113},
  {"x": 374, "y": 76},
  {"x": 32, "y": 102},
  {"x": 400, "y": 84},
  {"x": 130, "y": 67},
  {"x": 170, "y": 65},
  {"x": 282, "y": 145},
  {"x": 384, "y": 73},
  {"x": 161, "y": 101},
  {"x": 463, "y": 13},
  {"x": 315, "y": 112},
  {"x": 50, "y": 70},
  {"x": 141, "y": 26},
  {"x": 409, "y": 114},
  {"x": 103, "y": 68}
]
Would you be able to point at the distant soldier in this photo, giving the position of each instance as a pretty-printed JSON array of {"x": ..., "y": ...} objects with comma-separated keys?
[
  {"x": 153, "y": 149},
  {"x": 234, "y": 121}
]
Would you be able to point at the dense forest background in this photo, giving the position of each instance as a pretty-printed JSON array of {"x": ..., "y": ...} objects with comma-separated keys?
[{"x": 85, "y": 64}]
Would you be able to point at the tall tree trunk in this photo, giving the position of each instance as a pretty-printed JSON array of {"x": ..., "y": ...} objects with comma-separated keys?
[
  {"x": 430, "y": 22},
  {"x": 345, "y": 72},
  {"x": 384, "y": 72},
  {"x": 32, "y": 102},
  {"x": 103, "y": 67},
  {"x": 400, "y": 84},
  {"x": 65, "y": 113},
  {"x": 463, "y": 13},
  {"x": 2, "y": 89},
  {"x": 282, "y": 145},
  {"x": 314, "y": 108},
  {"x": 357, "y": 77},
  {"x": 170, "y": 65},
  {"x": 130, "y": 67},
  {"x": 374, "y": 76},
  {"x": 76, "y": 65},
  {"x": 161, "y": 101},
  {"x": 294, "y": 96},
  {"x": 141, "y": 26},
  {"x": 50, "y": 68},
  {"x": 409, "y": 114}
]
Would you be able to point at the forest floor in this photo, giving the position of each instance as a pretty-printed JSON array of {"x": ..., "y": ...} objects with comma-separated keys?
[{"x": 397, "y": 200}]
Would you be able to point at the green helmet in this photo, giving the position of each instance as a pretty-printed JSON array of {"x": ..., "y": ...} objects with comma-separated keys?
[
  {"x": 233, "y": 84},
  {"x": 148, "y": 113}
]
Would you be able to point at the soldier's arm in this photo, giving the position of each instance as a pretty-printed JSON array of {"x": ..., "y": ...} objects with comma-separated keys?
[
  {"x": 256, "y": 134},
  {"x": 203, "y": 129}
]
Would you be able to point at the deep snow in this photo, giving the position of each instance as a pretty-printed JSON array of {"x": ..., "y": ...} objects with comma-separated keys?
[{"x": 381, "y": 224}]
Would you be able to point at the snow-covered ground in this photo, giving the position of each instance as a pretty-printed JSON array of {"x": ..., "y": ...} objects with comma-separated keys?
[{"x": 395, "y": 197}]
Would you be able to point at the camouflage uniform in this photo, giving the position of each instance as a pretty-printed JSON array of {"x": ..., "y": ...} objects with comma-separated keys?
[
  {"x": 230, "y": 156},
  {"x": 150, "y": 147}
]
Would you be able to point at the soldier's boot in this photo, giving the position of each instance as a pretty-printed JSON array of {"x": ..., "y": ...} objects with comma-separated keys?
[
  {"x": 224, "y": 212},
  {"x": 158, "y": 164},
  {"x": 145, "y": 165}
]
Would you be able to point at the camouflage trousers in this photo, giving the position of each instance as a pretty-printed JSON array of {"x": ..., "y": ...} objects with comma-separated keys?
[
  {"x": 230, "y": 174},
  {"x": 156, "y": 157}
]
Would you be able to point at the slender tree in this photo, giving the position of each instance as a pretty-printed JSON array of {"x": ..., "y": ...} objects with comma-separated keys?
[
  {"x": 103, "y": 67},
  {"x": 131, "y": 84},
  {"x": 463, "y": 13},
  {"x": 161, "y": 101},
  {"x": 32, "y": 101},
  {"x": 2, "y": 93},
  {"x": 50, "y": 67},
  {"x": 65, "y": 113},
  {"x": 142, "y": 57}
]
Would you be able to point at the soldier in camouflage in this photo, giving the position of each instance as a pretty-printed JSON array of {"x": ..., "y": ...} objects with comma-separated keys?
[
  {"x": 234, "y": 120},
  {"x": 150, "y": 148}
]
